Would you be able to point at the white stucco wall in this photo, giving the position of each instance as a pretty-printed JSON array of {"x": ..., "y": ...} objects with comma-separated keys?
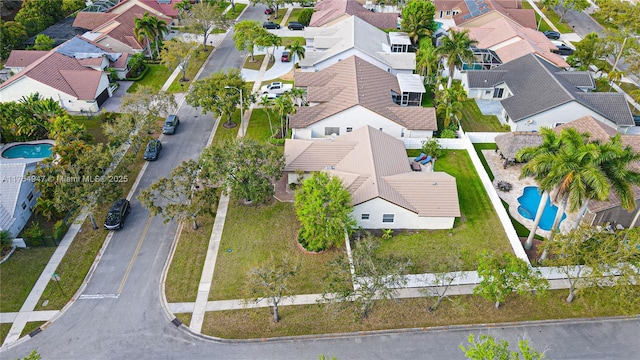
[
  {"x": 356, "y": 117},
  {"x": 561, "y": 114},
  {"x": 22, "y": 215},
  {"x": 403, "y": 218}
]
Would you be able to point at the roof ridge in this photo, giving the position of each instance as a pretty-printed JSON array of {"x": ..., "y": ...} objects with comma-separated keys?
[{"x": 538, "y": 60}]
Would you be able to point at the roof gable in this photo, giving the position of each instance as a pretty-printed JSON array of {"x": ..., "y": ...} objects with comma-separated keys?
[{"x": 327, "y": 11}]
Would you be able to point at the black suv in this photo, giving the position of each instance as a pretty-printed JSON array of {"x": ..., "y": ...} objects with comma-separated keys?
[
  {"x": 153, "y": 150},
  {"x": 171, "y": 124},
  {"x": 270, "y": 25},
  {"x": 295, "y": 26},
  {"x": 117, "y": 213}
]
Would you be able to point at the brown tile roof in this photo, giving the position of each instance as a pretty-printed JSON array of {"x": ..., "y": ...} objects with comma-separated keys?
[
  {"x": 22, "y": 58},
  {"x": 510, "y": 9},
  {"x": 445, "y": 5},
  {"x": 510, "y": 41},
  {"x": 164, "y": 8},
  {"x": 328, "y": 10},
  {"x": 353, "y": 82},
  {"x": 91, "y": 20},
  {"x": 372, "y": 165}
]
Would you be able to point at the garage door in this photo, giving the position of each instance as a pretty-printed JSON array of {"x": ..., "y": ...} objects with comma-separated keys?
[{"x": 102, "y": 97}]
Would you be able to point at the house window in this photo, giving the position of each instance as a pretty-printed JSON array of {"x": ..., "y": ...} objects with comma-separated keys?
[
  {"x": 448, "y": 12},
  {"x": 365, "y": 217},
  {"x": 24, "y": 206},
  {"x": 349, "y": 129},
  {"x": 328, "y": 131},
  {"x": 402, "y": 133},
  {"x": 30, "y": 196},
  {"x": 497, "y": 93},
  {"x": 487, "y": 92},
  {"x": 380, "y": 129},
  {"x": 387, "y": 218}
]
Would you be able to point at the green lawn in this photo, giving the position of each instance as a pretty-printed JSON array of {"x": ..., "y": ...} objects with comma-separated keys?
[
  {"x": 93, "y": 127},
  {"x": 478, "y": 229},
  {"x": 259, "y": 128},
  {"x": 474, "y": 121},
  {"x": 552, "y": 16},
  {"x": 407, "y": 313},
  {"x": 254, "y": 233},
  {"x": 30, "y": 326},
  {"x": 222, "y": 133},
  {"x": 288, "y": 41},
  {"x": 192, "y": 69},
  {"x": 281, "y": 12},
  {"x": 293, "y": 16},
  {"x": 19, "y": 274},
  {"x": 232, "y": 14},
  {"x": 4, "y": 330},
  {"x": 255, "y": 64},
  {"x": 155, "y": 77}
]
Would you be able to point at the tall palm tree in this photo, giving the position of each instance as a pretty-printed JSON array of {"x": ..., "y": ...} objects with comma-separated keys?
[
  {"x": 614, "y": 76},
  {"x": 160, "y": 29},
  {"x": 267, "y": 106},
  {"x": 296, "y": 50},
  {"x": 427, "y": 61},
  {"x": 144, "y": 30},
  {"x": 283, "y": 105},
  {"x": 539, "y": 162},
  {"x": 449, "y": 103},
  {"x": 298, "y": 94},
  {"x": 457, "y": 49},
  {"x": 416, "y": 26}
]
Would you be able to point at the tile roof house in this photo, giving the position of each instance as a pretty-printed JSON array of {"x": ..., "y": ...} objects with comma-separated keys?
[
  {"x": 509, "y": 41},
  {"x": 326, "y": 46},
  {"x": 375, "y": 169},
  {"x": 535, "y": 93},
  {"x": 73, "y": 74},
  {"x": 115, "y": 30},
  {"x": 330, "y": 12},
  {"x": 479, "y": 12},
  {"x": 354, "y": 93}
]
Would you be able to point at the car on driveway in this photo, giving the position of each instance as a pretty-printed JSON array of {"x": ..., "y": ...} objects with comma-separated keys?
[
  {"x": 276, "y": 88},
  {"x": 171, "y": 124},
  {"x": 553, "y": 35},
  {"x": 270, "y": 25},
  {"x": 286, "y": 57},
  {"x": 269, "y": 11},
  {"x": 563, "y": 50},
  {"x": 116, "y": 215},
  {"x": 153, "y": 150},
  {"x": 293, "y": 25}
]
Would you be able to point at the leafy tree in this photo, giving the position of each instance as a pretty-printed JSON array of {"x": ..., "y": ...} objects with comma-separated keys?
[
  {"x": 32, "y": 356},
  {"x": 267, "y": 40},
  {"x": 433, "y": 148},
  {"x": 205, "y": 17},
  {"x": 368, "y": 278},
  {"x": 539, "y": 161},
  {"x": 177, "y": 53},
  {"x": 6, "y": 239},
  {"x": 243, "y": 167},
  {"x": 505, "y": 274},
  {"x": 182, "y": 7},
  {"x": 548, "y": 4},
  {"x": 71, "y": 6},
  {"x": 456, "y": 48},
  {"x": 136, "y": 64},
  {"x": 246, "y": 35},
  {"x": 297, "y": 50},
  {"x": 43, "y": 42},
  {"x": 487, "y": 348},
  {"x": 418, "y": 19},
  {"x": 182, "y": 195},
  {"x": 37, "y": 15},
  {"x": 614, "y": 77},
  {"x": 591, "y": 50},
  {"x": 214, "y": 94},
  {"x": 13, "y": 35},
  {"x": 146, "y": 105},
  {"x": 271, "y": 281},
  {"x": 304, "y": 16},
  {"x": 445, "y": 273},
  {"x": 577, "y": 5},
  {"x": 622, "y": 30},
  {"x": 28, "y": 119},
  {"x": 427, "y": 62},
  {"x": 324, "y": 209}
]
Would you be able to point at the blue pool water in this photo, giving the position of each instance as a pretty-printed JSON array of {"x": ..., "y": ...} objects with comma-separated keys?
[
  {"x": 28, "y": 151},
  {"x": 529, "y": 202},
  {"x": 438, "y": 25}
]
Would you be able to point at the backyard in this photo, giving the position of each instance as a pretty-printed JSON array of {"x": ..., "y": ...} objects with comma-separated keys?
[{"x": 474, "y": 121}]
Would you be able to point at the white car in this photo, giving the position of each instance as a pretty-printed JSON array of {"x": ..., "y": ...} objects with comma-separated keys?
[{"x": 275, "y": 88}]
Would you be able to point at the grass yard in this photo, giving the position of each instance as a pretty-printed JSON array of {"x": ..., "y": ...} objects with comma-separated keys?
[
  {"x": 288, "y": 41},
  {"x": 19, "y": 274},
  {"x": 474, "y": 121},
  {"x": 253, "y": 65},
  {"x": 30, "y": 326},
  {"x": 478, "y": 229},
  {"x": 254, "y": 233},
  {"x": 407, "y": 313},
  {"x": 281, "y": 12},
  {"x": 552, "y": 16},
  {"x": 4, "y": 331},
  {"x": 185, "y": 271},
  {"x": 234, "y": 13},
  {"x": 93, "y": 127},
  {"x": 628, "y": 87},
  {"x": 223, "y": 134},
  {"x": 259, "y": 128},
  {"x": 293, "y": 16},
  {"x": 155, "y": 77},
  {"x": 192, "y": 69}
]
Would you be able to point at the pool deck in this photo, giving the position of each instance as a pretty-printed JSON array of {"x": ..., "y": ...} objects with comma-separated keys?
[
  {"x": 3, "y": 147},
  {"x": 511, "y": 174}
]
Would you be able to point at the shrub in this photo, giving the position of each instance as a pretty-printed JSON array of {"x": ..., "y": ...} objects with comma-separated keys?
[
  {"x": 504, "y": 186},
  {"x": 34, "y": 232},
  {"x": 60, "y": 229},
  {"x": 432, "y": 147},
  {"x": 304, "y": 16},
  {"x": 447, "y": 134}
]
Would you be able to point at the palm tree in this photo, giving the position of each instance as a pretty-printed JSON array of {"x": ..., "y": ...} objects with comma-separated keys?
[
  {"x": 160, "y": 29},
  {"x": 299, "y": 95},
  {"x": 614, "y": 76},
  {"x": 457, "y": 49},
  {"x": 296, "y": 50},
  {"x": 427, "y": 61},
  {"x": 144, "y": 30},
  {"x": 449, "y": 103},
  {"x": 417, "y": 26},
  {"x": 267, "y": 106},
  {"x": 539, "y": 163},
  {"x": 283, "y": 105}
]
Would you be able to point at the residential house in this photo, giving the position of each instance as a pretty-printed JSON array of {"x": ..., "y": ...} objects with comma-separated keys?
[
  {"x": 354, "y": 36},
  {"x": 535, "y": 93},
  {"x": 115, "y": 30},
  {"x": 331, "y": 12},
  {"x": 509, "y": 41},
  {"x": 478, "y": 12},
  {"x": 375, "y": 169},
  {"x": 72, "y": 74},
  {"x": 354, "y": 93},
  {"x": 447, "y": 9}
]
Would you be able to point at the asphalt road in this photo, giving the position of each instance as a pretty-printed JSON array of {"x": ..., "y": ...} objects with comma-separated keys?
[{"x": 120, "y": 314}]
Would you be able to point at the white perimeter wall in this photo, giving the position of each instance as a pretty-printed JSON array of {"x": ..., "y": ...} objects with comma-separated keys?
[{"x": 403, "y": 218}]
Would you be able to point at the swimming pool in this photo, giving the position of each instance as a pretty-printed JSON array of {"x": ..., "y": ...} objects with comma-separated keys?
[
  {"x": 529, "y": 201},
  {"x": 28, "y": 151}
]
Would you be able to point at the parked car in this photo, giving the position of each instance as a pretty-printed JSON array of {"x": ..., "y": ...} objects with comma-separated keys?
[
  {"x": 153, "y": 150},
  {"x": 286, "y": 57},
  {"x": 269, "y": 11},
  {"x": 563, "y": 50},
  {"x": 270, "y": 25},
  {"x": 307, "y": 3},
  {"x": 276, "y": 88},
  {"x": 116, "y": 215},
  {"x": 293, "y": 25},
  {"x": 171, "y": 124},
  {"x": 553, "y": 35}
]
